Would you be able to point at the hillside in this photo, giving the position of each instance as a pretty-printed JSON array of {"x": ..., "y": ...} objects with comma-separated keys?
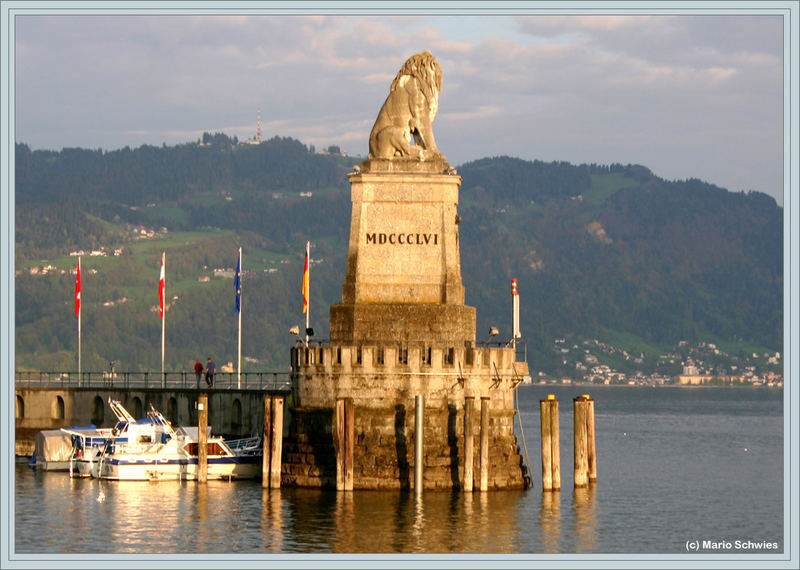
[{"x": 605, "y": 252}]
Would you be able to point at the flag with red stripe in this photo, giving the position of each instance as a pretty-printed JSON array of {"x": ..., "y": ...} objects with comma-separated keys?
[
  {"x": 161, "y": 283},
  {"x": 78, "y": 290}
]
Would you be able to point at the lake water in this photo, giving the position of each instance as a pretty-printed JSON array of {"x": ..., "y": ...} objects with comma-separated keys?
[{"x": 679, "y": 470}]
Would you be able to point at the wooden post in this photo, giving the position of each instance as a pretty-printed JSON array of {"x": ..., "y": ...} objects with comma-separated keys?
[
  {"x": 338, "y": 442},
  {"x": 590, "y": 444},
  {"x": 547, "y": 445},
  {"x": 343, "y": 434},
  {"x": 484, "y": 443},
  {"x": 551, "y": 454},
  {"x": 469, "y": 443},
  {"x": 267, "y": 443},
  {"x": 556, "y": 443},
  {"x": 276, "y": 442},
  {"x": 579, "y": 446},
  {"x": 418, "y": 437},
  {"x": 349, "y": 442},
  {"x": 202, "y": 438}
]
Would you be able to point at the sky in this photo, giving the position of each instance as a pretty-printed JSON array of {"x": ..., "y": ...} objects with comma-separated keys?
[{"x": 691, "y": 95}]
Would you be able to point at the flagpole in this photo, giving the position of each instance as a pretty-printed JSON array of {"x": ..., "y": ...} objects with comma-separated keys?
[
  {"x": 78, "y": 301},
  {"x": 239, "y": 297},
  {"x": 163, "y": 311},
  {"x": 308, "y": 289}
]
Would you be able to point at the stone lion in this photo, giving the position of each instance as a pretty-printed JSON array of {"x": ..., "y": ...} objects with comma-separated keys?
[{"x": 409, "y": 111}]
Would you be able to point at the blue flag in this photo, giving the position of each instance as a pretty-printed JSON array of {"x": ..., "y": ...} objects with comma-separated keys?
[{"x": 237, "y": 283}]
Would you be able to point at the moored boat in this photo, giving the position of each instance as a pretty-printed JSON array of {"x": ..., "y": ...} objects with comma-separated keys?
[
  {"x": 52, "y": 451},
  {"x": 150, "y": 449},
  {"x": 55, "y": 450},
  {"x": 86, "y": 446}
]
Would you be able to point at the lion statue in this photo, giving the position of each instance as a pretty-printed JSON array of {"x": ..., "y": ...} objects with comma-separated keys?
[{"x": 409, "y": 111}]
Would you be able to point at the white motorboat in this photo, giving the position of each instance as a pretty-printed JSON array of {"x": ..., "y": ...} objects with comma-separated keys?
[
  {"x": 149, "y": 449},
  {"x": 86, "y": 446}
]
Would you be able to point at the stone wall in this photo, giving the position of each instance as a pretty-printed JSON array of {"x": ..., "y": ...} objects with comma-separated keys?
[
  {"x": 403, "y": 324},
  {"x": 384, "y": 449},
  {"x": 383, "y": 382},
  {"x": 375, "y": 375}
]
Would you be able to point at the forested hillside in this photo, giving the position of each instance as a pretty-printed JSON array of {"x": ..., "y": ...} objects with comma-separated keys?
[{"x": 600, "y": 251}]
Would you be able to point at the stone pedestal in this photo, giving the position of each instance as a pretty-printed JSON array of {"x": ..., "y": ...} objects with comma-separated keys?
[{"x": 403, "y": 281}]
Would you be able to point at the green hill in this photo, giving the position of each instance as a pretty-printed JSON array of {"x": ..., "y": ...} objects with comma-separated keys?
[{"x": 607, "y": 252}]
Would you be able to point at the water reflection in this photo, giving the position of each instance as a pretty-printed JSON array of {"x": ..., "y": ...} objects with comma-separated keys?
[
  {"x": 272, "y": 519},
  {"x": 585, "y": 529},
  {"x": 401, "y": 507},
  {"x": 54, "y": 514},
  {"x": 418, "y": 524},
  {"x": 389, "y": 522},
  {"x": 344, "y": 518},
  {"x": 550, "y": 521},
  {"x": 144, "y": 516}
]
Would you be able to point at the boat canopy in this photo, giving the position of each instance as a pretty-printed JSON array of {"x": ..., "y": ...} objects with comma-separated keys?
[
  {"x": 52, "y": 446},
  {"x": 192, "y": 432}
]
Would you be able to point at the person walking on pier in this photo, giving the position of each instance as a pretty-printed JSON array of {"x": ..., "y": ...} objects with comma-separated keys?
[
  {"x": 210, "y": 371},
  {"x": 198, "y": 370}
]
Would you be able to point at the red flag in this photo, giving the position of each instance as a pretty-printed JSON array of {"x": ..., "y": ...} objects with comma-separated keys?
[
  {"x": 305, "y": 285},
  {"x": 78, "y": 290},
  {"x": 161, "y": 280}
]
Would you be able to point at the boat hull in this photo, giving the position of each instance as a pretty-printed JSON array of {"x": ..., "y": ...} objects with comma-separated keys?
[
  {"x": 177, "y": 469},
  {"x": 51, "y": 465}
]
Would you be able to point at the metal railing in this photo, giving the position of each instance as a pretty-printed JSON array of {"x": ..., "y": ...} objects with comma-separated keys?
[{"x": 279, "y": 381}]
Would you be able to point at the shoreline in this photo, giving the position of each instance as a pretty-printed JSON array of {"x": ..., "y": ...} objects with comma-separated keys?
[{"x": 690, "y": 386}]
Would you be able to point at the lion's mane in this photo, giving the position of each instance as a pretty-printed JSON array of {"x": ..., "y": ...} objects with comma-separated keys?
[{"x": 408, "y": 111}]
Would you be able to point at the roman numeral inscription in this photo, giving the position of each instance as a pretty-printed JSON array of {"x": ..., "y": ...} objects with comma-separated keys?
[{"x": 402, "y": 239}]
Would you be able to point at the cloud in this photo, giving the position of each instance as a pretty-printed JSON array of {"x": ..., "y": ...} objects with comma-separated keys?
[
  {"x": 551, "y": 26},
  {"x": 655, "y": 89},
  {"x": 484, "y": 112}
]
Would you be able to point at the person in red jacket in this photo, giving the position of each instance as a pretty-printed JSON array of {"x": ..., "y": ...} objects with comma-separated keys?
[{"x": 198, "y": 370}]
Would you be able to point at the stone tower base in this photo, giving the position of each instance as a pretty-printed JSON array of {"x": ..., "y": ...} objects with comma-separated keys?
[
  {"x": 384, "y": 450},
  {"x": 382, "y": 383}
]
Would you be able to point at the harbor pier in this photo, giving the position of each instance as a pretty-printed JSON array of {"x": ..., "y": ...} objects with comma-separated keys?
[{"x": 54, "y": 400}]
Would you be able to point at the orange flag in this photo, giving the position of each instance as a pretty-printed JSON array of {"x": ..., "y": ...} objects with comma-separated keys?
[{"x": 305, "y": 284}]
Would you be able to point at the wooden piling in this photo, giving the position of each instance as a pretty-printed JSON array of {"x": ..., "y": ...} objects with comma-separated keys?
[
  {"x": 202, "y": 438},
  {"x": 547, "y": 445},
  {"x": 338, "y": 442},
  {"x": 591, "y": 458},
  {"x": 344, "y": 423},
  {"x": 418, "y": 438},
  {"x": 267, "y": 443},
  {"x": 581, "y": 473},
  {"x": 469, "y": 444},
  {"x": 484, "y": 483},
  {"x": 273, "y": 442},
  {"x": 551, "y": 454},
  {"x": 349, "y": 432},
  {"x": 276, "y": 442},
  {"x": 556, "y": 443}
]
